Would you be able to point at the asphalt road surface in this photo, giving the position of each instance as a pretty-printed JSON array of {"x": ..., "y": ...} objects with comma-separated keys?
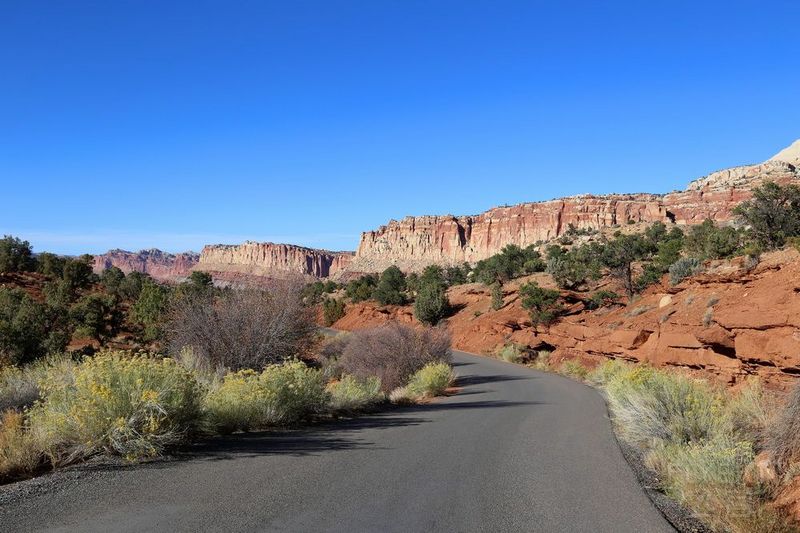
[{"x": 515, "y": 450}]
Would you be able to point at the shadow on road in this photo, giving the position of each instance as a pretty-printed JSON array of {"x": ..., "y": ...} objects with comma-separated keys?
[{"x": 465, "y": 381}]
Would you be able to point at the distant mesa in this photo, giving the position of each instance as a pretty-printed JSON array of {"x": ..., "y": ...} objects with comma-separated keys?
[{"x": 415, "y": 242}]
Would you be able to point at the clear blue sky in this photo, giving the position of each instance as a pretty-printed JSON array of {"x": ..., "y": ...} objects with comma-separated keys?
[{"x": 176, "y": 124}]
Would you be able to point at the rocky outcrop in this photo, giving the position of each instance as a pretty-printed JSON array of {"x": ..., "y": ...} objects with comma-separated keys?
[
  {"x": 269, "y": 260},
  {"x": 160, "y": 265},
  {"x": 415, "y": 242},
  {"x": 716, "y": 195}
]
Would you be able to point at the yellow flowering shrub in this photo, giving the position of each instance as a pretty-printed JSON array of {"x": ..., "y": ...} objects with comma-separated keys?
[
  {"x": 352, "y": 394},
  {"x": 431, "y": 380},
  {"x": 279, "y": 395},
  {"x": 132, "y": 405}
]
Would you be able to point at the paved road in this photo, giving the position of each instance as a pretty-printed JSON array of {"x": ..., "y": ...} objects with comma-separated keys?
[{"x": 516, "y": 450}]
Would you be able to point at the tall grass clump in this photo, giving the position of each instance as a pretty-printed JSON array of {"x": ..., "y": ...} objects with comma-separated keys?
[
  {"x": 19, "y": 386},
  {"x": 656, "y": 406},
  {"x": 512, "y": 353},
  {"x": 21, "y": 451},
  {"x": 783, "y": 434},
  {"x": 350, "y": 394},
  {"x": 698, "y": 438},
  {"x": 431, "y": 380},
  {"x": 279, "y": 395},
  {"x": 130, "y": 405},
  {"x": 574, "y": 369}
]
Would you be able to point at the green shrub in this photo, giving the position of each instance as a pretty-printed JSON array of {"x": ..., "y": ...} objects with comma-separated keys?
[
  {"x": 542, "y": 304},
  {"x": 709, "y": 241},
  {"x": 150, "y": 309},
  {"x": 332, "y": 310},
  {"x": 431, "y": 380},
  {"x": 362, "y": 288},
  {"x": 391, "y": 287},
  {"x": 96, "y": 316},
  {"x": 132, "y": 405},
  {"x": 497, "y": 295},
  {"x": 511, "y": 262},
  {"x": 431, "y": 304},
  {"x": 602, "y": 299},
  {"x": 15, "y": 255},
  {"x": 28, "y": 329},
  {"x": 280, "y": 395},
  {"x": 783, "y": 434},
  {"x": 773, "y": 213},
  {"x": 350, "y": 394},
  {"x": 684, "y": 268}
]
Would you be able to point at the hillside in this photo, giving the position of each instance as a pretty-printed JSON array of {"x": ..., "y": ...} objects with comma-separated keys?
[{"x": 727, "y": 322}]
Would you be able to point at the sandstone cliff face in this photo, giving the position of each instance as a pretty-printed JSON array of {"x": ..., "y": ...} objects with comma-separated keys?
[
  {"x": 265, "y": 259},
  {"x": 415, "y": 242},
  {"x": 160, "y": 265}
]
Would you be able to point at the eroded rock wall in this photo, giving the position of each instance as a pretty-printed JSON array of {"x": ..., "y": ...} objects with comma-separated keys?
[
  {"x": 267, "y": 259},
  {"x": 160, "y": 265}
]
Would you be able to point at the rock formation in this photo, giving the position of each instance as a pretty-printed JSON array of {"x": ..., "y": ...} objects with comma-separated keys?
[
  {"x": 269, "y": 260},
  {"x": 415, "y": 242},
  {"x": 160, "y": 265}
]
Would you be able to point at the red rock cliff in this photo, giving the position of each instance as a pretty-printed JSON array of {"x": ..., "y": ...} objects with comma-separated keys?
[
  {"x": 160, "y": 265},
  {"x": 414, "y": 242},
  {"x": 266, "y": 259}
]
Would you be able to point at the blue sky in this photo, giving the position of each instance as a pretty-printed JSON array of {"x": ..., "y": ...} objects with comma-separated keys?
[{"x": 177, "y": 124}]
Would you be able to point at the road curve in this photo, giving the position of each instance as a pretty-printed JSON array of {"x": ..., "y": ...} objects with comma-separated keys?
[{"x": 515, "y": 450}]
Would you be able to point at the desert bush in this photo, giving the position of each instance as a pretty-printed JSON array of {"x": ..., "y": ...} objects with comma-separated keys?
[
  {"x": 574, "y": 369},
  {"x": 684, "y": 268},
  {"x": 497, "y": 295},
  {"x": 77, "y": 272},
  {"x": 279, "y": 395},
  {"x": 511, "y": 262},
  {"x": 602, "y": 299},
  {"x": 391, "y": 287},
  {"x": 246, "y": 328},
  {"x": 362, "y": 288},
  {"x": 512, "y": 352},
  {"x": 112, "y": 279},
  {"x": 132, "y": 405},
  {"x": 150, "y": 309},
  {"x": 28, "y": 330},
  {"x": 96, "y": 316},
  {"x": 431, "y": 304},
  {"x": 542, "y": 360},
  {"x": 707, "y": 477},
  {"x": 773, "y": 213},
  {"x": 15, "y": 255},
  {"x": 19, "y": 386},
  {"x": 606, "y": 371},
  {"x": 393, "y": 352},
  {"x": 658, "y": 406},
  {"x": 50, "y": 265},
  {"x": 709, "y": 241},
  {"x": 21, "y": 452},
  {"x": 350, "y": 394},
  {"x": 332, "y": 310},
  {"x": 783, "y": 434},
  {"x": 542, "y": 304},
  {"x": 430, "y": 380},
  {"x": 401, "y": 396}
]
